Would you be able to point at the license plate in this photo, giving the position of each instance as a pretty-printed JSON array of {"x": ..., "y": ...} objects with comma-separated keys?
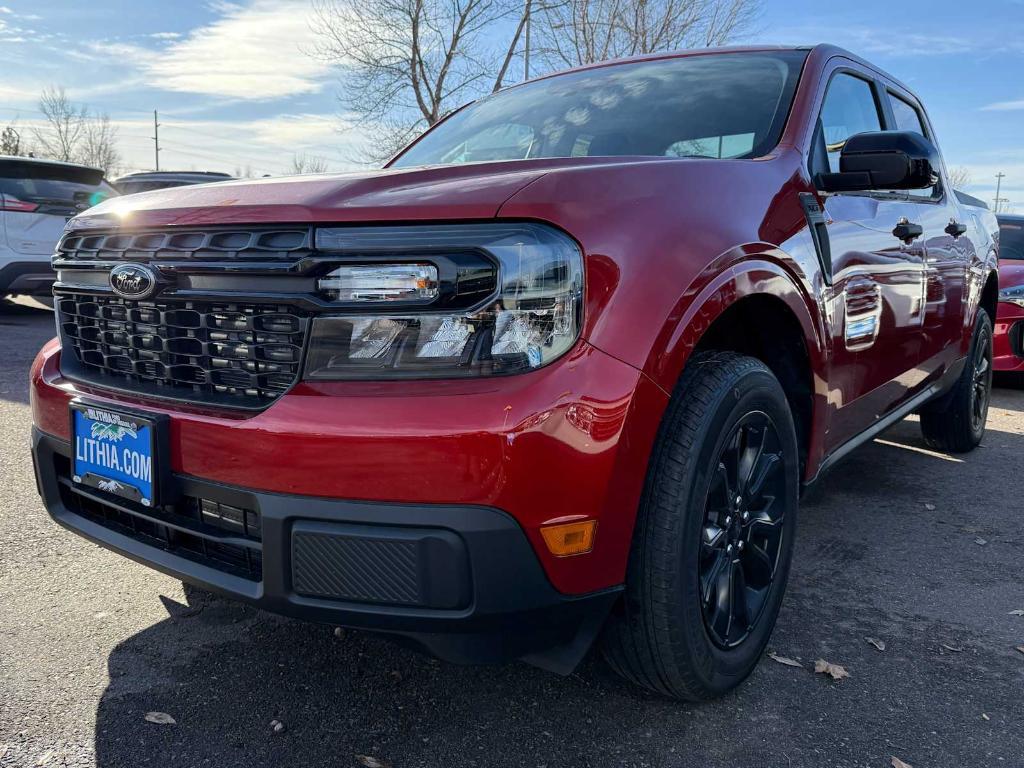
[{"x": 113, "y": 452}]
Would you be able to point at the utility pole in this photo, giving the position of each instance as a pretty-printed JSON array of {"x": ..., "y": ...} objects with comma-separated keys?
[
  {"x": 999, "y": 182},
  {"x": 156, "y": 141},
  {"x": 526, "y": 49}
]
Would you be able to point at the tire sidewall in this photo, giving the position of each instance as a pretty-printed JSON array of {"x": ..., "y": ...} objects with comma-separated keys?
[
  {"x": 722, "y": 669},
  {"x": 982, "y": 335}
]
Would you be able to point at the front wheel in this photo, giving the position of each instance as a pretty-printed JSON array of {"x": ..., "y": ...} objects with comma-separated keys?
[
  {"x": 957, "y": 422},
  {"x": 714, "y": 535}
]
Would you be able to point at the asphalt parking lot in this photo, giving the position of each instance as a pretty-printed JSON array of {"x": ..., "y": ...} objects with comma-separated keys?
[{"x": 922, "y": 551}]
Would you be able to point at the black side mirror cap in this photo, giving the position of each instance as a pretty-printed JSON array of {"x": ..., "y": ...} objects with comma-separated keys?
[{"x": 883, "y": 160}]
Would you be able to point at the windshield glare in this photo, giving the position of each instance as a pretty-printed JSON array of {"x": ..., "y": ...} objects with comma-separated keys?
[
  {"x": 719, "y": 105},
  {"x": 1011, "y": 240}
]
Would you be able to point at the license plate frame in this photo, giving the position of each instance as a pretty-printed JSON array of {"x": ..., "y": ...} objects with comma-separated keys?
[{"x": 128, "y": 429}]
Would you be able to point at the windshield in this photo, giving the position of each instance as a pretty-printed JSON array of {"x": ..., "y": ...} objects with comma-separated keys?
[
  {"x": 1011, "y": 240},
  {"x": 720, "y": 105}
]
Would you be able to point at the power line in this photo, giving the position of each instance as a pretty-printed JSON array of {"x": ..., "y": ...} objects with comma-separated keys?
[{"x": 224, "y": 158}]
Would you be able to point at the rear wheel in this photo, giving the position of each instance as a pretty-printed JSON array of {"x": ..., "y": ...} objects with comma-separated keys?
[
  {"x": 714, "y": 536},
  {"x": 957, "y": 422}
]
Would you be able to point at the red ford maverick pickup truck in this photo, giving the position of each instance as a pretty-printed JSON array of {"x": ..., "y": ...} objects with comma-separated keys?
[{"x": 556, "y": 377}]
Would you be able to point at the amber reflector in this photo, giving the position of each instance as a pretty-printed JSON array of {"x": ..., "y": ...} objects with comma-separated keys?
[{"x": 570, "y": 538}]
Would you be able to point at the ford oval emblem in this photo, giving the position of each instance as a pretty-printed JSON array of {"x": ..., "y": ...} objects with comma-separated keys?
[{"x": 133, "y": 281}]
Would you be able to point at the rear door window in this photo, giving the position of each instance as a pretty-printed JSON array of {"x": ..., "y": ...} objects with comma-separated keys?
[
  {"x": 850, "y": 108},
  {"x": 906, "y": 115},
  {"x": 908, "y": 118}
]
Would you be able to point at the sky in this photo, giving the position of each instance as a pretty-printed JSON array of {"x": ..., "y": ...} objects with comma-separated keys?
[{"x": 237, "y": 85}]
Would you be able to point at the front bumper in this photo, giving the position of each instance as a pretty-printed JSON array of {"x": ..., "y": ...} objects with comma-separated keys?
[
  {"x": 460, "y": 582},
  {"x": 34, "y": 278},
  {"x": 1008, "y": 338},
  {"x": 571, "y": 439}
]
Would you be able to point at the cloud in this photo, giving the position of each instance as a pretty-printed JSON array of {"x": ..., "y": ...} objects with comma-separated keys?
[
  {"x": 877, "y": 41},
  {"x": 165, "y": 35},
  {"x": 252, "y": 52},
  {"x": 1005, "y": 106}
]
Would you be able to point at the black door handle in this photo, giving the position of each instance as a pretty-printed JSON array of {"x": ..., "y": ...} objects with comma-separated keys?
[
  {"x": 955, "y": 228},
  {"x": 907, "y": 232}
]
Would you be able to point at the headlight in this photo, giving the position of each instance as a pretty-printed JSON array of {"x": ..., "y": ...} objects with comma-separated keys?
[
  {"x": 1013, "y": 295},
  {"x": 445, "y": 301}
]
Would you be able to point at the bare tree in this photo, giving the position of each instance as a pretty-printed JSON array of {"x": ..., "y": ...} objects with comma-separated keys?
[
  {"x": 524, "y": 19},
  {"x": 406, "y": 63},
  {"x": 72, "y": 134},
  {"x": 10, "y": 141},
  {"x": 99, "y": 145},
  {"x": 303, "y": 163},
  {"x": 65, "y": 126},
  {"x": 574, "y": 32},
  {"x": 960, "y": 177}
]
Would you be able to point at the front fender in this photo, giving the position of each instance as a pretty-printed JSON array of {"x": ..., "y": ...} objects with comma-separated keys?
[{"x": 752, "y": 270}]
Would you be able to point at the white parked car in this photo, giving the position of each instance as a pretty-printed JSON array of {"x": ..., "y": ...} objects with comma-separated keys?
[{"x": 37, "y": 197}]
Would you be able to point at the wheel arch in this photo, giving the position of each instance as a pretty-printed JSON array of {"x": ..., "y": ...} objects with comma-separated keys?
[
  {"x": 989, "y": 296},
  {"x": 758, "y": 307}
]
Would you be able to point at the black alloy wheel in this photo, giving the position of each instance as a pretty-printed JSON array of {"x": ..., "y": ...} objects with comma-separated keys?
[
  {"x": 714, "y": 536},
  {"x": 742, "y": 532},
  {"x": 981, "y": 381},
  {"x": 955, "y": 422}
]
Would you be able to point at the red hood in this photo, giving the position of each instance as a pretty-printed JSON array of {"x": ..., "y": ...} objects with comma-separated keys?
[
  {"x": 1011, "y": 273},
  {"x": 473, "y": 191}
]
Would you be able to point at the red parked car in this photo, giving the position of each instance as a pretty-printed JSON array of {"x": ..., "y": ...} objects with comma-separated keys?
[
  {"x": 560, "y": 371},
  {"x": 1009, "y": 327}
]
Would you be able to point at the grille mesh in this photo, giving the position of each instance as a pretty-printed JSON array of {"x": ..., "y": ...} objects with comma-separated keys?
[
  {"x": 356, "y": 568},
  {"x": 195, "y": 245},
  {"x": 190, "y": 531},
  {"x": 203, "y": 350}
]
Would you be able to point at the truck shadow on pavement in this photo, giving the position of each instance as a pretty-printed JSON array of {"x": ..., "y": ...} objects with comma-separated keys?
[{"x": 917, "y": 549}]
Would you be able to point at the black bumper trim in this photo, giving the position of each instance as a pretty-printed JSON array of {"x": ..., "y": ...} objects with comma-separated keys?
[
  {"x": 11, "y": 273},
  {"x": 507, "y": 607}
]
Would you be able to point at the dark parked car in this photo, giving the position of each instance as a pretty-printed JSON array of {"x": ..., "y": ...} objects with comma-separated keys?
[
  {"x": 146, "y": 181},
  {"x": 1009, "y": 328},
  {"x": 37, "y": 197},
  {"x": 560, "y": 372}
]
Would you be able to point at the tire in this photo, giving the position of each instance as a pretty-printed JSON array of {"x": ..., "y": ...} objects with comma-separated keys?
[
  {"x": 956, "y": 423},
  {"x": 663, "y": 635}
]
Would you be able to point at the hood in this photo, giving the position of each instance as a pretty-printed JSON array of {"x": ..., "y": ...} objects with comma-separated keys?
[
  {"x": 1011, "y": 273},
  {"x": 433, "y": 193}
]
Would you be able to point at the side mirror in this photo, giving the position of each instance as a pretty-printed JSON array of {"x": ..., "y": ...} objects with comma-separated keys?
[{"x": 882, "y": 160}]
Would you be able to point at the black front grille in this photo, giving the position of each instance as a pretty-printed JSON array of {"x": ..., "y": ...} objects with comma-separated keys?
[
  {"x": 232, "y": 353},
  {"x": 198, "y": 245},
  {"x": 216, "y": 535}
]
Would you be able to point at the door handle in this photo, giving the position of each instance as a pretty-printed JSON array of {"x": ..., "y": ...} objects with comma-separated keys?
[
  {"x": 907, "y": 231},
  {"x": 955, "y": 228}
]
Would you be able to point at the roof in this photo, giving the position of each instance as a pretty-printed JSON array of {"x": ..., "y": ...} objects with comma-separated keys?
[
  {"x": 46, "y": 161},
  {"x": 157, "y": 175}
]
